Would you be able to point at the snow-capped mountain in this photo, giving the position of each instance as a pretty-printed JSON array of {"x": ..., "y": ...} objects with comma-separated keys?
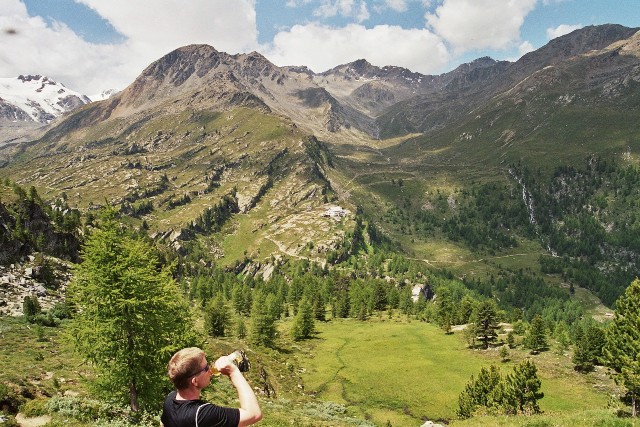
[
  {"x": 35, "y": 98},
  {"x": 105, "y": 94}
]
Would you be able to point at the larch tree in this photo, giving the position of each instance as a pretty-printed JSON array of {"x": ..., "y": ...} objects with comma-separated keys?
[
  {"x": 536, "y": 338},
  {"x": 130, "y": 316},
  {"x": 216, "y": 317},
  {"x": 304, "y": 322},
  {"x": 622, "y": 347},
  {"x": 263, "y": 328}
]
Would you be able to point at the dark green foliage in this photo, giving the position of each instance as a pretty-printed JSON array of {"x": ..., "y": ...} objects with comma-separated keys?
[
  {"x": 241, "y": 329},
  {"x": 622, "y": 347},
  {"x": 572, "y": 210},
  {"x": 517, "y": 393},
  {"x": 213, "y": 218},
  {"x": 34, "y": 225},
  {"x": 486, "y": 391},
  {"x": 263, "y": 328},
  {"x": 61, "y": 310},
  {"x": 536, "y": 337},
  {"x": 304, "y": 322},
  {"x": 216, "y": 317},
  {"x": 588, "y": 347},
  {"x": 130, "y": 315},
  {"x": 486, "y": 322},
  {"x": 522, "y": 390},
  {"x": 31, "y": 307}
]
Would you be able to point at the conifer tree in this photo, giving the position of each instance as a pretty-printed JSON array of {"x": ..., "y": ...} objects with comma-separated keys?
[
  {"x": 216, "y": 317},
  {"x": 536, "y": 338},
  {"x": 304, "y": 322},
  {"x": 483, "y": 392},
  {"x": 588, "y": 348},
  {"x": 130, "y": 315},
  {"x": 263, "y": 328},
  {"x": 622, "y": 348},
  {"x": 522, "y": 390},
  {"x": 486, "y": 321},
  {"x": 241, "y": 329},
  {"x": 31, "y": 306}
]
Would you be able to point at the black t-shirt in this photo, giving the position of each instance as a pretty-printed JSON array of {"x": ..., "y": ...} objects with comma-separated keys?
[{"x": 182, "y": 413}]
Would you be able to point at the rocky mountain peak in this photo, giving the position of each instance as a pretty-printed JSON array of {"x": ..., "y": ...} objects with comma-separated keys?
[
  {"x": 36, "y": 98},
  {"x": 577, "y": 42}
]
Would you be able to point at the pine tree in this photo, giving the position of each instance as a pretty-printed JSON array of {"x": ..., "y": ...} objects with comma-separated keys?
[
  {"x": 263, "y": 328},
  {"x": 486, "y": 321},
  {"x": 304, "y": 322},
  {"x": 216, "y": 317},
  {"x": 522, "y": 390},
  {"x": 130, "y": 315},
  {"x": 511, "y": 339},
  {"x": 588, "y": 348},
  {"x": 504, "y": 353},
  {"x": 536, "y": 338},
  {"x": 622, "y": 348},
  {"x": 241, "y": 329},
  {"x": 31, "y": 307},
  {"x": 483, "y": 392}
]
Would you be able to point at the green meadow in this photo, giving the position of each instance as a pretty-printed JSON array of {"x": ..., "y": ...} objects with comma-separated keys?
[
  {"x": 352, "y": 373},
  {"x": 404, "y": 373}
]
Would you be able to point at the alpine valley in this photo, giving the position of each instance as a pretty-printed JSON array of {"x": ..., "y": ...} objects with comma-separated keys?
[{"x": 500, "y": 176}]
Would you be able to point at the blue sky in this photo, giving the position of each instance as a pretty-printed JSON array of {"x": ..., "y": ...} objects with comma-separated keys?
[{"x": 92, "y": 45}]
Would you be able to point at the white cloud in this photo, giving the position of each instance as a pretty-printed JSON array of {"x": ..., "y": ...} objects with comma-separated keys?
[
  {"x": 397, "y": 5},
  {"x": 525, "y": 47},
  {"x": 363, "y": 12},
  {"x": 345, "y": 8},
  {"x": 54, "y": 50},
  {"x": 321, "y": 47},
  {"x": 152, "y": 28},
  {"x": 164, "y": 25},
  {"x": 480, "y": 24},
  {"x": 561, "y": 30},
  {"x": 296, "y": 3}
]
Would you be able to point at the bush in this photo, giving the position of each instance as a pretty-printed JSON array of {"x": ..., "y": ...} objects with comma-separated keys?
[
  {"x": 7, "y": 420},
  {"x": 10, "y": 399},
  {"x": 80, "y": 408},
  {"x": 61, "y": 310},
  {"x": 30, "y": 306},
  {"x": 35, "y": 408},
  {"x": 101, "y": 414},
  {"x": 45, "y": 320}
]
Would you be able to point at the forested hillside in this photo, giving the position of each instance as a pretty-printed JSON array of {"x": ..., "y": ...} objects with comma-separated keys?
[{"x": 257, "y": 207}]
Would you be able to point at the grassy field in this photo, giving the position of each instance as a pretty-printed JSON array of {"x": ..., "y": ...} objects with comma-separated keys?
[
  {"x": 352, "y": 373},
  {"x": 39, "y": 359},
  {"x": 405, "y": 373}
]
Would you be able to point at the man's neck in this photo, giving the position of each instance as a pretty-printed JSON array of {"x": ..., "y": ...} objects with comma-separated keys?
[{"x": 188, "y": 394}]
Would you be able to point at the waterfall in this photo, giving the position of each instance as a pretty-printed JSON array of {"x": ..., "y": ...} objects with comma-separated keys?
[{"x": 527, "y": 198}]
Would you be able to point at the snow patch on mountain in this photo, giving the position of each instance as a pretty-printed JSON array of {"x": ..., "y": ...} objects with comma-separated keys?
[
  {"x": 36, "y": 98},
  {"x": 105, "y": 94}
]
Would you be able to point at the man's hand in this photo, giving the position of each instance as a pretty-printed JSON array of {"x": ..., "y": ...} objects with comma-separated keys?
[{"x": 225, "y": 365}]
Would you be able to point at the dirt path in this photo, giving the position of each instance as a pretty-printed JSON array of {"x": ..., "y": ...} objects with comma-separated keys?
[{"x": 32, "y": 421}]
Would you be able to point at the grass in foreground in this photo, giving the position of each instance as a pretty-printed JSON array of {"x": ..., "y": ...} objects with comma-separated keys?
[{"x": 405, "y": 373}]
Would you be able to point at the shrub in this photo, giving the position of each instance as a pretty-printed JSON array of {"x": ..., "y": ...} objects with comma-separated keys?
[
  {"x": 30, "y": 306},
  {"x": 80, "y": 408},
  {"x": 35, "y": 408},
  {"x": 61, "y": 310},
  {"x": 7, "y": 420}
]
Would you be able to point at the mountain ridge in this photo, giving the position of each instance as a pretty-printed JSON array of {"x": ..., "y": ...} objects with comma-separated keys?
[{"x": 198, "y": 125}]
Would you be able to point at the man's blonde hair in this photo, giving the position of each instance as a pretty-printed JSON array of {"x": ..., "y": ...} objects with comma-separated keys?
[{"x": 185, "y": 364}]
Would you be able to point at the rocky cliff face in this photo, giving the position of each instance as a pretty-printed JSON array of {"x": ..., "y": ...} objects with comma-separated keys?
[{"x": 27, "y": 277}]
